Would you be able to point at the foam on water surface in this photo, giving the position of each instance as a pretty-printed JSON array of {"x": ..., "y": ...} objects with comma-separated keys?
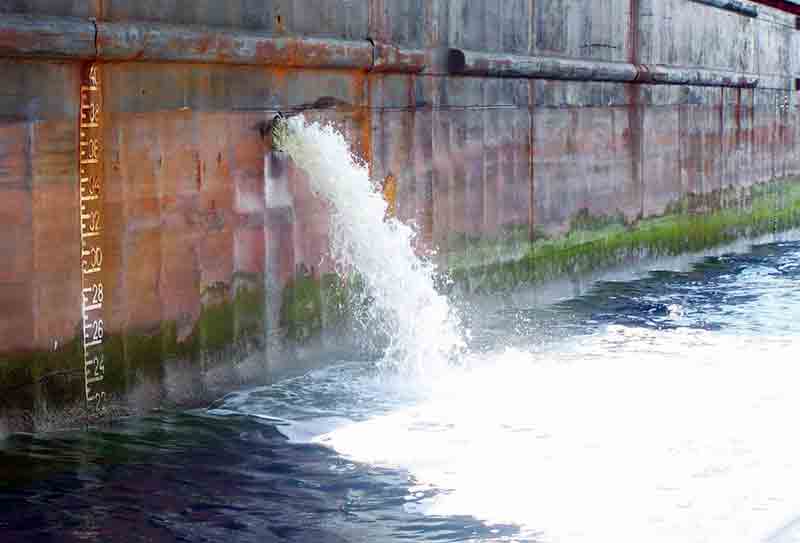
[{"x": 606, "y": 442}]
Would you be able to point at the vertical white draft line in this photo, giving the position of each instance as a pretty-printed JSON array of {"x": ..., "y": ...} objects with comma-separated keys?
[{"x": 90, "y": 214}]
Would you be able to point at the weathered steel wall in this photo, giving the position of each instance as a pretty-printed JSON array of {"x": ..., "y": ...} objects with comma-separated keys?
[{"x": 503, "y": 121}]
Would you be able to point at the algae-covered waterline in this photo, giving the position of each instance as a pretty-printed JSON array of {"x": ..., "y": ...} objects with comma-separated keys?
[{"x": 653, "y": 409}]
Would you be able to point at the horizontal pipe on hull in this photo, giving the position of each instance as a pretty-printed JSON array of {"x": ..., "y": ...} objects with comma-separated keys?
[
  {"x": 49, "y": 37},
  {"x": 475, "y": 63},
  {"x": 734, "y": 6},
  {"x": 464, "y": 62},
  {"x": 658, "y": 74},
  {"x": 69, "y": 38},
  {"x": 172, "y": 43},
  {"x": 392, "y": 59}
]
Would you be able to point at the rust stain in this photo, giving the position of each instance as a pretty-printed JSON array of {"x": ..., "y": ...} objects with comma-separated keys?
[
  {"x": 280, "y": 24},
  {"x": 633, "y": 93},
  {"x": 389, "y": 58},
  {"x": 721, "y": 111},
  {"x": 281, "y": 74},
  {"x": 752, "y": 114},
  {"x": 267, "y": 49},
  {"x": 532, "y": 152},
  {"x": 12, "y": 38},
  {"x": 61, "y": 38},
  {"x": 738, "y": 117},
  {"x": 377, "y": 20},
  {"x": 574, "y": 142},
  {"x": 364, "y": 83},
  {"x": 410, "y": 179},
  {"x": 682, "y": 121},
  {"x": 203, "y": 44},
  {"x": 126, "y": 41},
  {"x": 199, "y": 167},
  {"x": 389, "y": 191},
  {"x": 199, "y": 212}
]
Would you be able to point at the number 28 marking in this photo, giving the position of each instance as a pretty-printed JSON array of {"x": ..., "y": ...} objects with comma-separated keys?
[{"x": 97, "y": 293}]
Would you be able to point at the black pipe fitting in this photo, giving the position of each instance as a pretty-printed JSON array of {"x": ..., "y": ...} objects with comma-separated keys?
[{"x": 278, "y": 130}]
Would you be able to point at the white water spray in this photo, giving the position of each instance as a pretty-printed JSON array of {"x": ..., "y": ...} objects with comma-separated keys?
[{"x": 422, "y": 328}]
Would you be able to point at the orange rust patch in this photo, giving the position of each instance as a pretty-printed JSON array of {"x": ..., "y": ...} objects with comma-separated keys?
[{"x": 390, "y": 195}]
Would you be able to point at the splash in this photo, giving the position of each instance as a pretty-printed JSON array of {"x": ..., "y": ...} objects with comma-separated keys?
[{"x": 422, "y": 328}]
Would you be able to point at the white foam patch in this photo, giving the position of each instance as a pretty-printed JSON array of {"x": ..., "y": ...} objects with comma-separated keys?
[
  {"x": 308, "y": 431},
  {"x": 620, "y": 445}
]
